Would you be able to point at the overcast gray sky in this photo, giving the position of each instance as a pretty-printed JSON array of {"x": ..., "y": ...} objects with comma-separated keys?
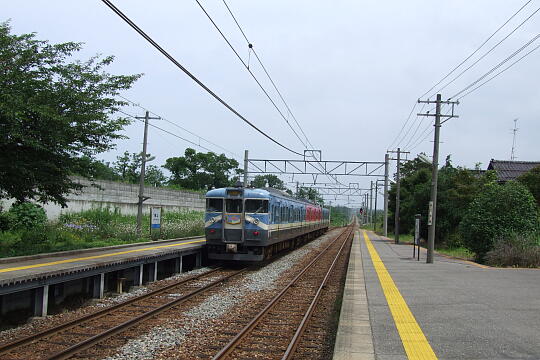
[{"x": 350, "y": 71}]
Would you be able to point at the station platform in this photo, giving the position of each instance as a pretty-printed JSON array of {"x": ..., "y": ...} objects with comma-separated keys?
[
  {"x": 451, "y": 309},
  {"x": 91, "y": 270}
]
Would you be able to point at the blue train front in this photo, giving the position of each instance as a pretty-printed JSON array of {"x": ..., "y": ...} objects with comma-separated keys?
[{"x": 243, "y": 224}]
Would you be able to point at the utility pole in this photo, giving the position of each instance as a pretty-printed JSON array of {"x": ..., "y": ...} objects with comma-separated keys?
[
  {"x": 398, "y": 186},
  {"x": 385, "y": 220},
  {"x": 432, "y": 214},
  {"x": 143, "y": 198},
  {"x": 513, "y": 155},
  {"x": 371, "y": 202},
  {"x": 375, "y": 213},
  {"x": 246, "y": 167}
]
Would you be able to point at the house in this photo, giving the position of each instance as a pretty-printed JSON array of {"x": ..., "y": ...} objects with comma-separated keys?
[{"x": 510, "y": 170}]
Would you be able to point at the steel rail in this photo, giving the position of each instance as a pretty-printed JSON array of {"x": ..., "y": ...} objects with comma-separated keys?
[
  {"x": 72, "y": 350},
  {"x": 301, "y": 328},
  {"x": 231, "y": 346},
  {"x": 95, "y": 315}
]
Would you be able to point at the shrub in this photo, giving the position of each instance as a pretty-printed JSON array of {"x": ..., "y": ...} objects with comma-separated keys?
[
  {"x": 27, "y": 215},
  {"x": 515, "y": 249},
  {"x": 6, "y": 221},
  {"x": 497, "y": 211}
]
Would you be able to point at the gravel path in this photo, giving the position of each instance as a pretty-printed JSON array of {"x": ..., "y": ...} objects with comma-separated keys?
[{"x": 173, "y": 332}]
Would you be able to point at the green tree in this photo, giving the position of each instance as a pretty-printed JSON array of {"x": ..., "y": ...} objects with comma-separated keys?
[
  {"x": 531, "y": 179},
  {"x": 310, "y": 194},
  {"x": 52, "y": 112},
  {"x": 98, "y": 169},
  {"x": 496, "y": 211},
  {"x": 154, "y": 176},
  {"x": 198, "y": 171},
  {"x": 269, "y": 180}
]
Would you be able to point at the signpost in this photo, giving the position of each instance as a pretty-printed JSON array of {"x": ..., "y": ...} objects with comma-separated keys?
[
  {"x": 416, "y": 241},
  {"x": 155, "y": 222}
]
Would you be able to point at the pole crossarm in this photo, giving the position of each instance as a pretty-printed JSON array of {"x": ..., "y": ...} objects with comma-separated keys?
[{"x": 317, "y": 167}]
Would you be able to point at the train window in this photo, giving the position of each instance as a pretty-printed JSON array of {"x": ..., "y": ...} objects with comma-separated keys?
[
  {"x": 214, "y": 205},
  {"x": 256, "y": 206},
  {"x": 234, "y": 205}
]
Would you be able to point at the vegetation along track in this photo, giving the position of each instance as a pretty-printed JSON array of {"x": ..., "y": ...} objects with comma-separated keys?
[
  {"x": 65, "y": 340},
  {"x": 276, "y": 331}
]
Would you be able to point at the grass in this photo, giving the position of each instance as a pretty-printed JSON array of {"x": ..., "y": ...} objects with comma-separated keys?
[
  {"x": 95, "y": 228},
  {"x": 458, "y": 252}
]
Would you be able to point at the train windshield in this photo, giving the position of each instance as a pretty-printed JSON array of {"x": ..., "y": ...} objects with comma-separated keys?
[
  {"x": 234, "y": 205},
  {"x": 256, "y": 206},
  {"x": 214, "y": 205}
]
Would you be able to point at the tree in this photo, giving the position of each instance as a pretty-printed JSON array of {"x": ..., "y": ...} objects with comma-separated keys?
[
  {"x": 497, "y": 210},
  {"x": 531, "y": 179},
  {"x": 269, "y": 180},
  {"x": 52, "y": 112},
  {"x": 310, "y": 194},
  {"x": 200, "y": 171},
  {"x": 154, "y": 176}
]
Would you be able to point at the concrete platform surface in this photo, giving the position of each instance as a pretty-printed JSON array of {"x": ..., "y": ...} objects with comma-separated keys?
[
  {"x": 354, "y": 339},
  {"x": 32, "y": 268},
  {"x": 463, "y": 310}
]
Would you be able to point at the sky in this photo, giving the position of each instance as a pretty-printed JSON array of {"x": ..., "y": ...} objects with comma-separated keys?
[{"x": 350, "y": 71}]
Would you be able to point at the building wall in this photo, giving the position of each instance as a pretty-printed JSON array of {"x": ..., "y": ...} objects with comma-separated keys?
[{"x": 124, "y": 197}]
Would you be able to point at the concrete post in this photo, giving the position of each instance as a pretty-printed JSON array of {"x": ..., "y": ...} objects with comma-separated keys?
[
  {"x": 138, "y": 277},
  {"x": 386, "y": 171},
  {"x": 178, "y": 265},
  {"x": 198, "y": 260},
  {"x": 154, "y": 271},
  {"x": 99, "y": 286},
  {"x": 41, "y": 300}
]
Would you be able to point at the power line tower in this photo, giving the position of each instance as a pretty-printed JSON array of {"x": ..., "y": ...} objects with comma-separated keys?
[
  {"x": 432, "y": 214},
  {"x": 143, "y": 198},
  {"x": 513, "y": 154}
]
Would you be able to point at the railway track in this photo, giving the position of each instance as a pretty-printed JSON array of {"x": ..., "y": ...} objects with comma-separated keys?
[
  {"x": 73, "y": 337},
  {"x": 276, "y": 331}
]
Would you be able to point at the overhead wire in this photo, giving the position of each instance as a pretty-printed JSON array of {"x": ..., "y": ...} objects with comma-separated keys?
[
  {"x": 468, "y": 68},
  {"x": 249, "y": 70},
  {"x": 511, "y": 56},
  {"x": 178, "y": 126},
  {"x": 477, "y": 49},
  {"x": 499, "y": 73},
  {"x": 487, "y": 52},
  {"x": 266, "y": 72},
  {"x": 252, "y": 48},
  {"x": 193, "y": 77}
]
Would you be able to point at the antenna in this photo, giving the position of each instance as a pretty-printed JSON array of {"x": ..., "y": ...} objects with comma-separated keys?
[{"x": 513, "y": 155}]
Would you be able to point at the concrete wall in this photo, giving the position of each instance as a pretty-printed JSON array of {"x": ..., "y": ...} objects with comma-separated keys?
[{"x": 123, "y": 197}]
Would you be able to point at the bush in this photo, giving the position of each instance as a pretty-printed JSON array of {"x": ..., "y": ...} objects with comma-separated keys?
[
  {"x": 27, "y": 215},
  {"x": 515, "y": 249},
  {"x": 497, "y": 211}
]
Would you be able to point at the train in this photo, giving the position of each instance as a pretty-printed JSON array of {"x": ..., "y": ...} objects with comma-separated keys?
[{"x": 253, "y": 224}]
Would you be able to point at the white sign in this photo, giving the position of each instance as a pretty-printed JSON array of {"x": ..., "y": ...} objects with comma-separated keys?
[{"x": 155, "y": 217}]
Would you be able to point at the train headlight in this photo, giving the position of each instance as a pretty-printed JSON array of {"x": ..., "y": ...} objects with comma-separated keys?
[{"x": 256, "y": 221}]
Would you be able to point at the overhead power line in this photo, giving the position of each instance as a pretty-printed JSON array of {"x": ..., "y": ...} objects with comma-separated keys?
[
  {"x": 499, "y": 73},
  {"x": 487, "y": 52},
  {"x": 178, "y": 126},
  {"x": 193, "y": 77},
  {"x": 477, "y": 49},
  {"x": 246, "y": 66},
  {"x": 266, "y": 72},
  {"x": 527, "y": 44}
]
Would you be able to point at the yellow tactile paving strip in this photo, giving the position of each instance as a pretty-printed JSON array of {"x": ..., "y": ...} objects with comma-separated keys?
[
  {"x": 65, "y": 261},
  {"x": 413, "y": 339}
]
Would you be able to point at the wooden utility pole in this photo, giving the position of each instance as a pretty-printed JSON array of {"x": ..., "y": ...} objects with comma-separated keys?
[
  {"x": 143, "y": 198},
  {"x": 432, "y": 214}
]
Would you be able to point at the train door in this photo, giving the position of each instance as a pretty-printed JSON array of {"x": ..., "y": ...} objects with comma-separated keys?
[{"x": 233, "y": 224}]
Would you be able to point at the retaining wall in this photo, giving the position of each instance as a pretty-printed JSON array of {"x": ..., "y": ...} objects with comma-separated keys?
[{"x": 124, "y": 197}]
